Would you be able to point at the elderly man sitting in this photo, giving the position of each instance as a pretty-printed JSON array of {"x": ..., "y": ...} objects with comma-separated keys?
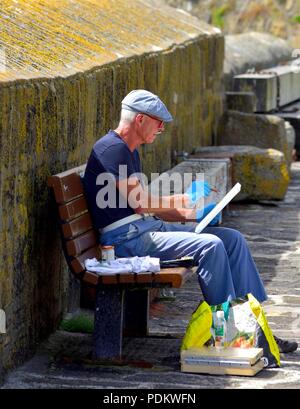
[{"x": 225, "y": 267}]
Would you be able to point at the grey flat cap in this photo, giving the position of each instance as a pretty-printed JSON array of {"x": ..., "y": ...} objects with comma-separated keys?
[{"x": 140, "y": 100}]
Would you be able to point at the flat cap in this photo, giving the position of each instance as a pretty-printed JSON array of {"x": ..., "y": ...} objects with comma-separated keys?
[{"x": 142, "y": 101}]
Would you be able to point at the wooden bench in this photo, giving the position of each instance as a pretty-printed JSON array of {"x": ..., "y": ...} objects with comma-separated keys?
[{"x": 122, "y": 300}]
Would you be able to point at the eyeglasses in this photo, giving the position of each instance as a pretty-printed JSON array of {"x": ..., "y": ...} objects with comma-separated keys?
[{"x": 161, "y": 122}]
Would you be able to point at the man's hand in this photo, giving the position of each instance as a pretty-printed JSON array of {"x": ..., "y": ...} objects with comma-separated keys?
[
  {"x": 201, "y": 213},
  {"x": 198, "y": 189}
]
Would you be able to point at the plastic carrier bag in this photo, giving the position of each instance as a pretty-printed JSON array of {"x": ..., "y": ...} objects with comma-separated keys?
[{"x": 244, "y": 326}]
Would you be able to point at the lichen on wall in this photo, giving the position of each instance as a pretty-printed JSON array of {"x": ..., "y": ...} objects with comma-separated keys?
[{"x": 69, "y": 65}]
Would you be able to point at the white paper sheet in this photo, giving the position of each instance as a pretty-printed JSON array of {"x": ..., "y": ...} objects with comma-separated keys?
[{"x": 218, "y": 208}]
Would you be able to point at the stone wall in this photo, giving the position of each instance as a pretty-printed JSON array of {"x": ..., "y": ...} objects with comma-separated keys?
[{"x": 57, "y": 96}]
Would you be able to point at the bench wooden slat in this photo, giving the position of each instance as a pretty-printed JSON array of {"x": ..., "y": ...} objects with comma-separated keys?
[
  {"x": 73, "y": 209},
  {"x": 81, "y": 243},
  {"x": 66, "y": 188},
  {"x": 91, "y": 278},
  {"x": 77, "y": 226},
  {"x": 78, "y": 263},
  {"x": 173, "y": 276},
  {"x": 127, "y": 278},
  {"x": 78, "y": 169},
  {"x": 109, "y": 279},
  {"x": 144, "y": 278}
]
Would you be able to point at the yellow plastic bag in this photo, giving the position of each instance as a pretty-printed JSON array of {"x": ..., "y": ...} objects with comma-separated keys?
[
  {"x": 264, "y": 335},
  {"x": 198, "y": 330}
]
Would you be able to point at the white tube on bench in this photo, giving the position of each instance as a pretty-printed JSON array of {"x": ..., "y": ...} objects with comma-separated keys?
[{"x": 218, "y": 208}]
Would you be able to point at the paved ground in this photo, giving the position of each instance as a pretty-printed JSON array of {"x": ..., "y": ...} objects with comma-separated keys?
[{"x": 273, "y": 232}]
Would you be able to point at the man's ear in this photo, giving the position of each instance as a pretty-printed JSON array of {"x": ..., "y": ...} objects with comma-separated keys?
[{"x": 139, "y": 118}]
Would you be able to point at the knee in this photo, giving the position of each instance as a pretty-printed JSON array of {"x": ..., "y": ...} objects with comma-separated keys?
[
  {"x": 214, "y": 244},
  {"x": 212, "y": 251}
]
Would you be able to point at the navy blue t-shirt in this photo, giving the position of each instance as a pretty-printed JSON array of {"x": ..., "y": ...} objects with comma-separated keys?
[{"x": 108, "y": 153}]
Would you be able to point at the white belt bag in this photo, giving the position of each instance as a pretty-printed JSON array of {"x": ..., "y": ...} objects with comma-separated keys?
[{"x": 125, "y": 220}]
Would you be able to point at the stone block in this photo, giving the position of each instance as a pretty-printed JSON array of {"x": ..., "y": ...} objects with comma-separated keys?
[
  {"x": 274, "y": 87},
  {"x": 262, "y": 173},
  {"x": 289, "y": 83},
  {"x": 241, "y": 101},
  {"x": 263, "y": 85},
  {"x": 262, "y": 131},
  {"x": 292, "y": 115}
]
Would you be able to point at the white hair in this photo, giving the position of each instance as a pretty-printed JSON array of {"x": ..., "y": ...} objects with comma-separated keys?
[{"x": 127, "y": 116}]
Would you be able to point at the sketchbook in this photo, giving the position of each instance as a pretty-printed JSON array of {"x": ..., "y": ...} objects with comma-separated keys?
[
  {"x": 222, "y": 361},
  {"x": 218, "y": 208}
]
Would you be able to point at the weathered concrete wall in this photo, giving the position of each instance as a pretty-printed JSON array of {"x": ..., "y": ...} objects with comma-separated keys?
[{"x": 61, "y": 90}]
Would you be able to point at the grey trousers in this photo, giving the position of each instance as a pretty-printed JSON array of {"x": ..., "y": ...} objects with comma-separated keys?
[{"x": 226, "y": 269}]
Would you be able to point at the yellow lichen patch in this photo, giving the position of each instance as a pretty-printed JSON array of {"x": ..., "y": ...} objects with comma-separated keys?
[
  {"x": 262, "y": 174},
  {"x": 62, "y": 37}
]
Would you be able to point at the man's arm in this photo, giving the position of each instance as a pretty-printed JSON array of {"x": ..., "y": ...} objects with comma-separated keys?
[{"x": 169, "y": 208}]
